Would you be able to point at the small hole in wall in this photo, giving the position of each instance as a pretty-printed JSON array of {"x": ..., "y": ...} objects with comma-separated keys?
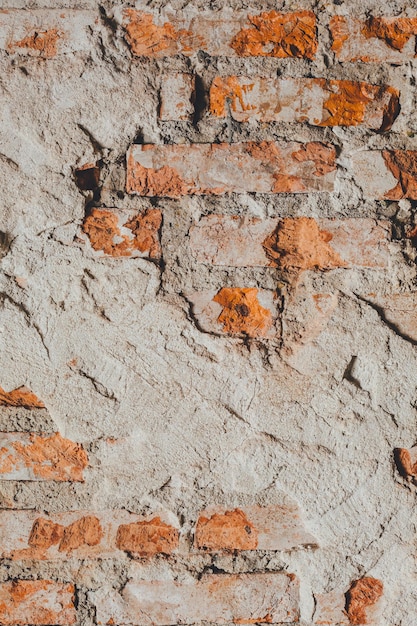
[{"x": 87, "y": 177}]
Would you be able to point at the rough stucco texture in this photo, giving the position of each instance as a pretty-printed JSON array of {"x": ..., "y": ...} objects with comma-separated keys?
[{"x": 208, "y": 327}]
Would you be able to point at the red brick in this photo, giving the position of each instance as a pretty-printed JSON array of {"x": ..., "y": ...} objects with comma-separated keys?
[
  {"x": 375, "y": 40},
  {"x": 37, "y": 602},
  {"x": 386, "y": 174},
  {"x": 46, "y": 33},
  {"x": 270, "y": 33},
  {"x": 120, "y": 234},
  {"x": 237, "y": 311},
  {"x": 20, "y": 397},
  {"x": 290, "y": 243},
  {"x": 359, "y": 605},
  {"x": 84, "y": 534},
  {"x": 219, "y": 599},
  {"x": 407, "y": 461},
  {"x": 177, "y": 97},
  {"x": 266, "y": 167},
  {"x": 316, "y": 101},
  {"x": 251, "y": 528},
  {"x": 29, "y": 456}
]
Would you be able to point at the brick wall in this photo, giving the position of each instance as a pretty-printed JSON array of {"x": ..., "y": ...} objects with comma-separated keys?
[{"x": 207, "y": 317}]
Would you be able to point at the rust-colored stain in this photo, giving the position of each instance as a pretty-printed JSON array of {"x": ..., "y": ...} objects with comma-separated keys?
[
  {"x": 299, "y": 244},
  {"x": 278, "y": 35},
  {"x": 339, "y": 31},
  {"x": 147, "y": 39},
  {"x": 242, "y": 313},
  {"x": 362, "y": 594},
  {"x": 22, "y": 605},
  {"x": 50, "y": 458},
  {"x": 403, "y": 166},
  {"x": 348, "y": 102},
  {"x": 44, "y": 42},
  {"x": 404, "y": 462},
  {"x": 395, "y": 33},
  {"x": 153, "y": 182},
  {"x": 21, "y": 397},
  {"x": 87, "y": 177},
  {"x": 147, "y": 538},
  {"x": 103, "y": 231},
  {"x": 226, "y": 531},
  {"x": 86, "y": 531},
  {"x": 228, "y": 88}
]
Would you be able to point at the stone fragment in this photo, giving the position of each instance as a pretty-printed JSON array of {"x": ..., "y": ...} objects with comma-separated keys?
[
  {"x": 292, "y": 244},
  {"x": 118, "y": 234},
  {"x": 252, "y": 528},
  {"x": 220, "y": 33},
  {"x": 177, "y": 97},
  {"x": 37, "y": 602},
  {"x": 29, "y": 456},
  {"x": 317, "y": 101},
  {"x": 266, "y": 167},
  {"x": 386, "y": 174},
  {"x": 375, "y": 40},
  {"x": 218, "y": 599},
  {"x": 47, "y": 33}
]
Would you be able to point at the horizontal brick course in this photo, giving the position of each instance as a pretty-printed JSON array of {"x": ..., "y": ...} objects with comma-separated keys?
[
  {"x": 46, "y": 33},
  {"x": 266, "y": 167},
  {"x": 29, "y": 456},
  {"x": 290, "y": 243},
  {"x": 36, "y": 602},
  {"x": 316, "y": 101},
  {"x": 219, "y": 599},
  {"x": 237, "y": 33},
  {"x": 376, "y": 40}
]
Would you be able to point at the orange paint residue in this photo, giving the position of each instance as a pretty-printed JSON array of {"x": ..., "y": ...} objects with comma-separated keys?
[
  {"x": 362, "y": 594},
  {"x": 152, "y": 182},
  {"x": 299, "y": 244},
  {"x": 403, "y": 166},
  {"x": 147, "y": 538},
  {"x": 21, "y": 397},
  {"x": 278, "y": 35},
  {"x": 52, "y": 458},
  {"x": 394, "y": 32},
  {"x": 227, "y": 531},
  {"x": 242, "y": 314},
  {"x": 228, "y": 88},
  {"x": 44, "y": 42}
]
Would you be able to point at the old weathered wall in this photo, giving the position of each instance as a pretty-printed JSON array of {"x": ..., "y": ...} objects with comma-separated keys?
[{"x": 208, "y": 319}]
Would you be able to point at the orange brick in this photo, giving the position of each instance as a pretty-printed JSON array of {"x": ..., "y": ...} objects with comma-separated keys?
[
  {"x": 386, "y": 174},
  {"x": 267, "y": 167},
  {"x": 47, "y": 33},
  {"x": 252, "y": 528},
  {"x": 292, "y": 244},
  {"x": 20, "y": 397},
  {"x": 359, "y": 605},
  {"x": 29, "y": 456},
  {"x": 238, "y": 311},
  {"x": 407, "y": 461},
  {"x": 219, "y": 599},
  {"x": 118, "y": 234},
  {"x": 376, "y": 40},
  {"x": 267, "y": 34},
  {"x": 317, "y": 101},
  {"x": 37, "y": 602},
  {"x": 28, "y": 535}
]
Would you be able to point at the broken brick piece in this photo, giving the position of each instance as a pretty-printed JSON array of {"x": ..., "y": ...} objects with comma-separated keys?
[
  {"x": 363, "y": 593},
  {"x": 226, "y": 531},
  {"x": 386, "y": 174},
  {"x": 37, "y": 602},
  {"x": 20, "y": 397},
  {"x": 147, "y": 538},
  {"x": 407, "y": 461}
]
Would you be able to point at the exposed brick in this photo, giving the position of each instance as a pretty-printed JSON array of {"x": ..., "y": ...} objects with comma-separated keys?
[
  {"x": 46, "y": 33},
  {"x": 119, "y": 234},
  {"x": 251, "y": 528},
  {"x": 37, "y": 602},
  {"x": 362, "y": 595},
  {"x": 219, "y": 599},
  {"x": 266, "y": 34},
  {"x": 177, "y": 97},
  {"x": 317, "y": 101},
  {"x": 26, "y": 535},
  {"x": 243, "y": 312},
  {"x": 266, "y": 167},
  {"x": 20, "y": 397},
  {"x": 29, "y": 456},
  {"x": 360, "y": 605},
  {"x": 376, "y": 40},
  {"x": 406, "y": 460},
  {"x": 386, "y": 174},
  {"x": 290, "y": 243}
]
